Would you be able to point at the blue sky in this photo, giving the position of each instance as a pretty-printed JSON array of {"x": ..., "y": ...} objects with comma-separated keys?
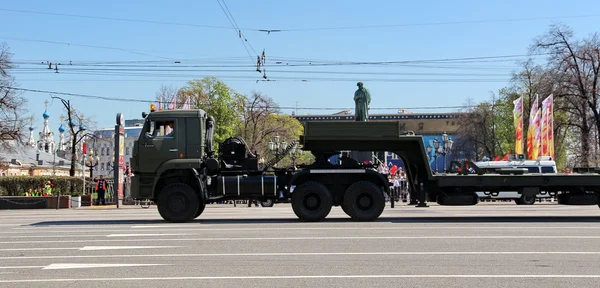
[{"x": 193, "y": 45}]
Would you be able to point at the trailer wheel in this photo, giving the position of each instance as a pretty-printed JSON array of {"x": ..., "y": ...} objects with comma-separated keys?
[
  {"x": 178, "y": 202},
  {"x": 363, "y": 201},
  {"x": 525, "y": 200},
  {"x": 311, "y": 201},
  {"x": 267, "y": 203}
]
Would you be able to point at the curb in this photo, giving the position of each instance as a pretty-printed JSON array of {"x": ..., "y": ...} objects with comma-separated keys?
[{"x": 100, "y": 207}]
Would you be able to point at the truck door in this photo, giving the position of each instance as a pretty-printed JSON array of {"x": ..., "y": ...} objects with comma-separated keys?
[{"x": 160, "y": 143}]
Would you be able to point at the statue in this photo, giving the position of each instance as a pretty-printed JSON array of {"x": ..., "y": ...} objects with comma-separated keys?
[{"x": 362, "y": 99}]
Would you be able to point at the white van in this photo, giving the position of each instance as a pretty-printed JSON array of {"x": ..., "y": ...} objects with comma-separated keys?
[{"x": 544, "y": 164}]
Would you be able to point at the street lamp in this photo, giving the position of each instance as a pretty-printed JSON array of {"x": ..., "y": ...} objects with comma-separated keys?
[
  {"x": 436, "y": 148},
  {"x": 447, "y": 147},
  {"x": 92, "y": 162},
  {"x": 294, "y": 153},
  {"x": 275, "y": 146}
]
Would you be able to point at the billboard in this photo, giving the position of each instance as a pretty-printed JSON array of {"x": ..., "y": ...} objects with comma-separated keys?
[{"x": 436, "y": 159}]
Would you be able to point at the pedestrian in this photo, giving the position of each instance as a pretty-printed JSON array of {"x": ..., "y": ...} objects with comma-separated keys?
[
  {"x": 47, "y": 189},
  {"x": 101, "y": 190}
]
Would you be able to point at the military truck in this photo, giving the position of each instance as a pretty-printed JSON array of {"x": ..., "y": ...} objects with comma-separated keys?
[{"x": 181, "y": 172}]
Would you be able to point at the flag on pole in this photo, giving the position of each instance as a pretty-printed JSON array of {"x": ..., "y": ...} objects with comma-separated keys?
[
  {"x": 548, "y": 126},
  {"x": 537, "y": 138},
  {"x": 531, "y": 131},
  {"x": 172, "y": 104},
  {"x": 187, "y": 104},
  {"x": 518, "y": 124}
]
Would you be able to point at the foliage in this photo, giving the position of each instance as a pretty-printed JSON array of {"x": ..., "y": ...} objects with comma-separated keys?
[
  {"x": 19, "y": 185},
  {"x": 487, "y": 128},
  {"x": 13, "y": 119},
  {"x": 219, "y": 101},
  {"x": 306, "y": 157}
]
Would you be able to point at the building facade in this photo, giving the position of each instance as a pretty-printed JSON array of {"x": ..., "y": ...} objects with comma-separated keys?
[{"x": 103, "y": 146}]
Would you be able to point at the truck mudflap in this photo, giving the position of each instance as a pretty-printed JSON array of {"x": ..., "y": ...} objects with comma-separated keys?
[{"x": 247, "y": 185}]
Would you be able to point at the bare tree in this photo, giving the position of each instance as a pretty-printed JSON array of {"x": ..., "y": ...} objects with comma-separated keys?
[
  {"x": 257, "y": 110},
  {"x": 577, "y": 66},
  {"x": 13, "y": 118},
  {"x": 78, "y": 127},
  {"x": 262, "y": 121},
  {"x": 165, "y": 94}
]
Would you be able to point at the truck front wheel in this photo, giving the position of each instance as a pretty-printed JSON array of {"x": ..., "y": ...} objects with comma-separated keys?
[
  {"x": 363, "y": 201},
  {"x": 311, "y": 201},
  {"x": 178, "y": 202},
  {"x": 200, "y": 210}
]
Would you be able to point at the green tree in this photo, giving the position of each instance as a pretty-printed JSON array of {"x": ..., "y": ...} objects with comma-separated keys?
[
  {"x": 488, "y": 128},
  {"x": 218, "y": 100}
]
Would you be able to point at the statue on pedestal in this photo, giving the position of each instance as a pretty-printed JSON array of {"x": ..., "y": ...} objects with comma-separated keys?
[{"x": 362, "y": 100}]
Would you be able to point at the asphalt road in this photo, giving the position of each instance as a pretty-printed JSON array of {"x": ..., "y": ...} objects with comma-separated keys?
[{"x": 488, "y": 245}]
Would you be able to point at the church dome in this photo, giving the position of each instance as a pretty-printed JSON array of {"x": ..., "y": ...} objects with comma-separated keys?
[
  {"x": 61, "y": 129},
  {"x": 46, "y": 115},
  {"x": 31, "y": 128}
]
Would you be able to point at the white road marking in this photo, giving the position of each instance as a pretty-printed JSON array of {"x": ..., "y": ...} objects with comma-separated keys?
[
  {"x": 187, "y": 255},
  {"x": 37, "y": 249},
  {"x": 311, "y": 238},
  {"x": 52, "y": 236},
  {"x": 278, "y": 277},
  {"x": 399, "y": 227},
  {"x": 97, "y": 248},
  {"x": 136, "y": 235},
  {"x": 91, "y": 265},
  {"x": 21, "y": 267},
  {"x": 163, "y": 226}
]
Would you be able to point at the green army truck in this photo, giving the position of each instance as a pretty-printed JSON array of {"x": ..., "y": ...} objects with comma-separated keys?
[{"x": 181, "y": 172}]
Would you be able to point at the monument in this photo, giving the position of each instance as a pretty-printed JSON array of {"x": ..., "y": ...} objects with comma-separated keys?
[{"x": 362, "y": 100}]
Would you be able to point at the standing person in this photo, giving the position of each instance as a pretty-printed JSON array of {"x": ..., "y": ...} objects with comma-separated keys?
[
  {"x": 47, "y": 190},
  {"x": 101, "y": 190}
]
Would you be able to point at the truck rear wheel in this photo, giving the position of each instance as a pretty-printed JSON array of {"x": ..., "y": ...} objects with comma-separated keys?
[
  {"x": 363, "y": 201},
  {"x": 178, "y": 202},
  {"x": 311, "y": 201}
]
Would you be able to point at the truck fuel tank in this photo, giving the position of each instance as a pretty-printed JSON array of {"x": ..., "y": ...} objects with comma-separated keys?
[{"x": 247, "y": 185}]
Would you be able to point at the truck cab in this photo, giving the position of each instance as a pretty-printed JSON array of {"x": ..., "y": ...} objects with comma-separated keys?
[{"x": 169, "y": 140}]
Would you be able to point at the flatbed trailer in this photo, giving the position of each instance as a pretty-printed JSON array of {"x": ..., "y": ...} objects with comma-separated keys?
[
  {"x": 451, "y": 188},
  {"x": 183, "y": 183}
]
